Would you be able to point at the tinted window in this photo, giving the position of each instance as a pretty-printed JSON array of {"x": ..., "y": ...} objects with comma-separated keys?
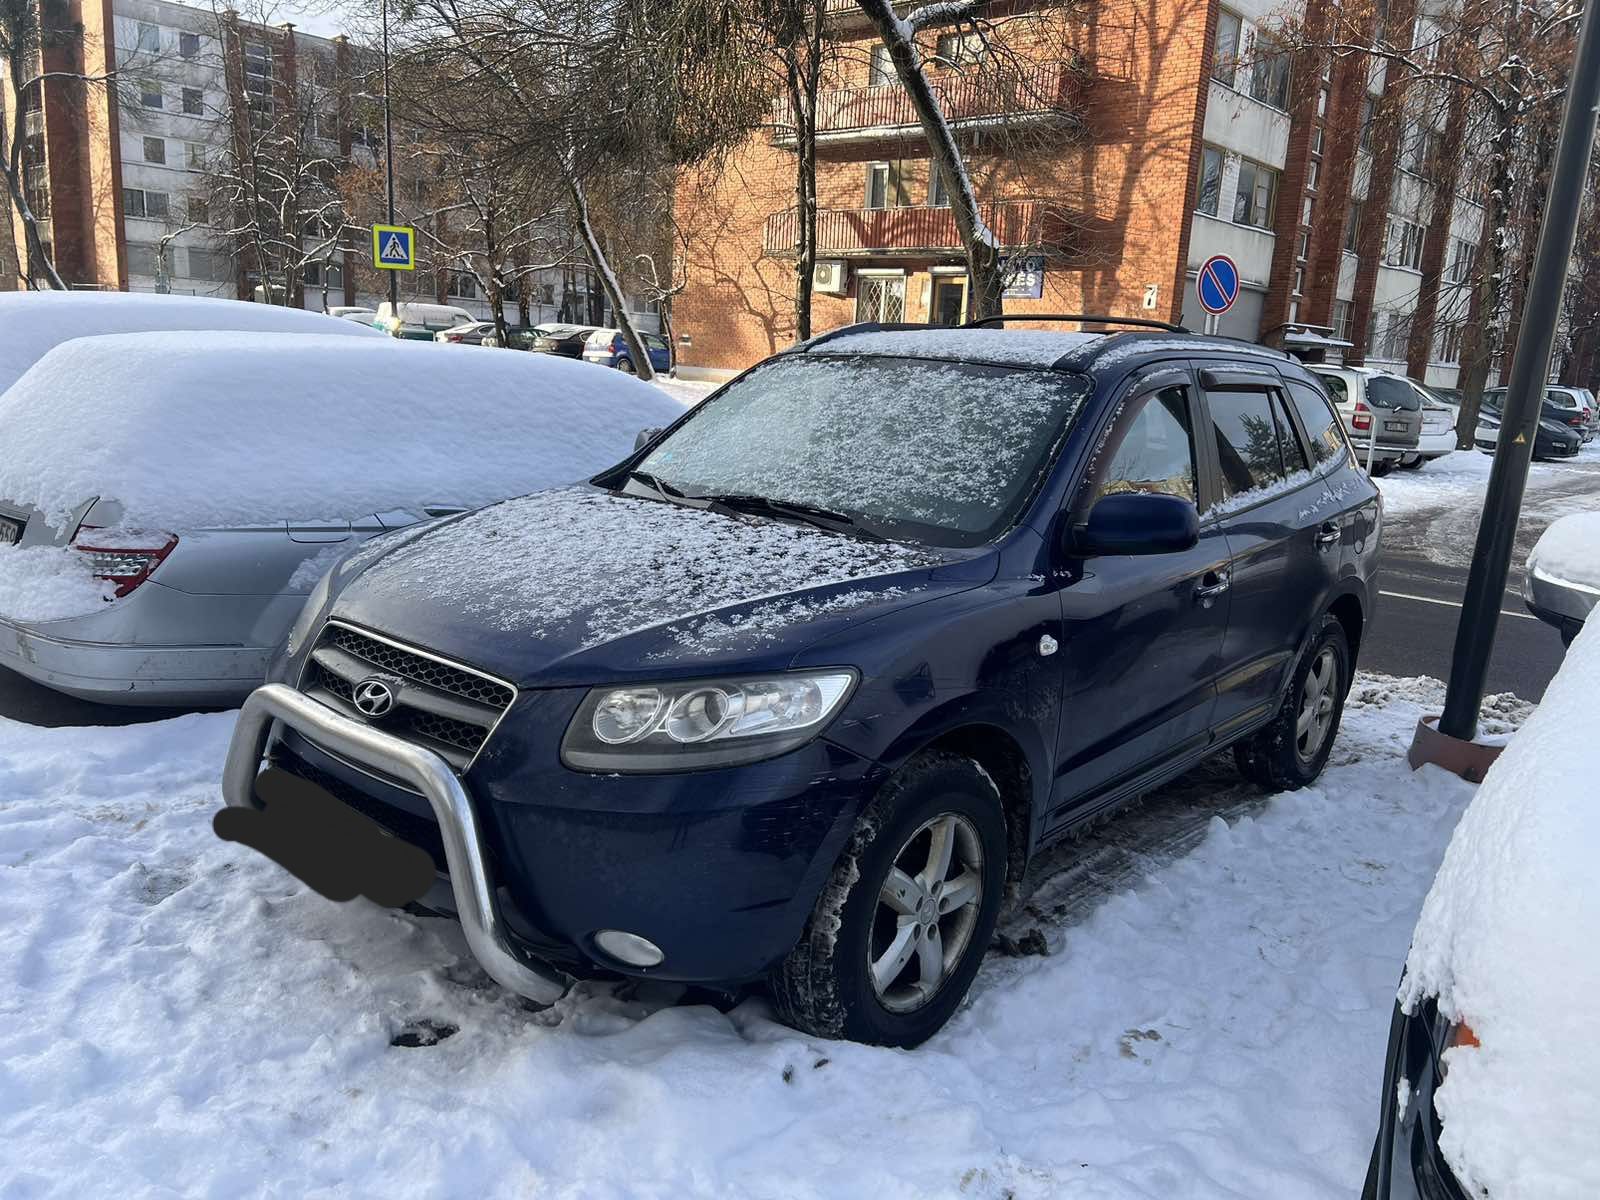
[
  {"x": 945, "y": 453},
  {"x": 1386, "y": 392},
  {"x": 1153, "y": 449},
  {"x": 1322, "y": 425},
  {"x": 1249, "y": 449},
  {"x": 1294, "y": 454}
]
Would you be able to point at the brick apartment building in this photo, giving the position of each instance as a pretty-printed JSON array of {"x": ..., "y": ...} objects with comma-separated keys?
[
  {"x": 121, "y": 175},
  {"x": 1181, "y": 135}
]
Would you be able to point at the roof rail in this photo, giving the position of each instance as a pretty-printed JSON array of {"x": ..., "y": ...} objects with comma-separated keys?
[
  {"x": 1081, "y": 318},
  {"x": 861, "y": 327}
]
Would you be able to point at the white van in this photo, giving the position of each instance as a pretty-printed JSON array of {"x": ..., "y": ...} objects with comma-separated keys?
[{"x": 418, "y": 322}]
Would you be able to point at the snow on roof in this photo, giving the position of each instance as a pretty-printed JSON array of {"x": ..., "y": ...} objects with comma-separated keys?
[
  {"x": 189, "y": 430},
  {"x": 1569, "y": 550},
  {"x": 1022, "y": 347},
  {"x": 31, "y": 323},
  {"x": 1507, "y": 942}
]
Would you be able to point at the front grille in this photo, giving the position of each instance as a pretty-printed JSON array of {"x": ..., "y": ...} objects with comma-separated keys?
[{"x": 447, "y": 708}]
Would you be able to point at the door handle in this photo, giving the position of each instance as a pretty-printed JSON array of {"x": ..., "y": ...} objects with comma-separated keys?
[
  {"x": 1328, "y": 534},
  {"x": 1213, "y": 584}
]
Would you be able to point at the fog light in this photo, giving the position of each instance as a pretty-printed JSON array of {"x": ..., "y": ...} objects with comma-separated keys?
[{"x": 629, "y": 948}]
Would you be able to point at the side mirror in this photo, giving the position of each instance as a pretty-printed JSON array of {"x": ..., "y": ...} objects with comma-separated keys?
[
  {"x": 1137, "y": 523},
  {"x": 646, "y": 436}
]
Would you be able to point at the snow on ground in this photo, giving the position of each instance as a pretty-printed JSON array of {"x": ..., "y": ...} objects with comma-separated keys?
[
  {"x": 1208, "y": 1018},
  {"x": 1459, "y": 478},
  {"x": 686, "y": 392}
]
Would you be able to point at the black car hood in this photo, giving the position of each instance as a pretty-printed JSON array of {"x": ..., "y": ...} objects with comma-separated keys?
[{"x": 581, "y": 585}]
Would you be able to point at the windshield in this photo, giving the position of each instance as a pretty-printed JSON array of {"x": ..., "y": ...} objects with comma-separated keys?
[{"x": 944, "y": 453}]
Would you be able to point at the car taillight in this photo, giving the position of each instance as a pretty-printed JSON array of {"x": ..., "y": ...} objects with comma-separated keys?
[
  {"x": 1363, "y": 416},
  {"x": 453, "y": 338},
  {"x": 125, "y": 559},
  {"x": 1580, "y": 421}
]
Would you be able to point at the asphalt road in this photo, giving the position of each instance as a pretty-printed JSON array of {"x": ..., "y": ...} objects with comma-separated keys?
[{"x": 1424, "y": 575}]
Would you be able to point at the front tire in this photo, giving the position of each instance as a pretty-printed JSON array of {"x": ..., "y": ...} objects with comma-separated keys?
[
  {"x": 1291, "y": 751},
  {"x": 626, "y": 367},
  {"x": 901, "y": 926}
]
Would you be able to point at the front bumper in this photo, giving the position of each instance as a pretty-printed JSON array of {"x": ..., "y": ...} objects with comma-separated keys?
[
  {"x": 472, "y": 881},
  {"x": 121, "y": 673},
  {"x": 719, "y": 868}
]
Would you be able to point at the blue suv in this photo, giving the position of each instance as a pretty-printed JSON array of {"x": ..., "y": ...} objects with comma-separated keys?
[{"x": 789, "y": 696}]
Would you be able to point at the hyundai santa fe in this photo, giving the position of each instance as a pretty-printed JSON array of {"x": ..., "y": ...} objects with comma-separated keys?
[{"x": 790, "y": 695}]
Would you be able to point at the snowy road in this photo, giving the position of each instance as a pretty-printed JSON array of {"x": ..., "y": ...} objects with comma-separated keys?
[{"x": 1207, "y": 1019}]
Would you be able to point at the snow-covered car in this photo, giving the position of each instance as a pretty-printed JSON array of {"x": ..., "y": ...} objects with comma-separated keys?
[
  {"x": 788, "y": 695},
  {"x": 419, "y": 321},
  {"x": 1382, "y": 413},
  {"x": 1491, "y": 1089},
  {"x": 32, "y": 323},
  {"x": 354, "y": 312},
  {"x": 167, "y": 500},
  {"x": 1561, "y": 581}
]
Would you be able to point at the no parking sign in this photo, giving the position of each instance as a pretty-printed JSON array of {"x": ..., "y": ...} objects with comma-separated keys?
[{"x": 1217, "y": 284}]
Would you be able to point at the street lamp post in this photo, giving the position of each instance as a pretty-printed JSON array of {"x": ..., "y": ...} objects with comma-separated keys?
[
  {"x": 1491, "y": 559},
  {"x": 388, "y": 160}
]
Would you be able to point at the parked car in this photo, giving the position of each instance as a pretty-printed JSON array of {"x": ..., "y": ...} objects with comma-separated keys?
[
  {"x": 161, "y": 560},
  {"x": 1553, "y": 437},
  {"x": 1561, "y": 583},
  {"x": 418, "y": 322},
  {"x": 471, "y": 333},
  {"x": 517, "y": 336},
  {"x": 1382, "y": 413},
  {"x": 792, "y": 692},
  {"x": 1491, "y": 1082},
  {"x": 33, "y": 323},
  {"x": 606, "y": 347},
  {"x": 346, "y": 312},
  {"x": 565, "y": 340},
  {"x": 1438, "y": 434},
  {"x": 1578, "y": 410}
]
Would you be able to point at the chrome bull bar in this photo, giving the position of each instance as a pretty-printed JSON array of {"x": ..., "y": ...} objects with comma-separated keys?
[{"x": 466, "y": 856}]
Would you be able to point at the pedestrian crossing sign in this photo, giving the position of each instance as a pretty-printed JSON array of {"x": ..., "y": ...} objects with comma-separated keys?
[{"x": 394, "y": 247}]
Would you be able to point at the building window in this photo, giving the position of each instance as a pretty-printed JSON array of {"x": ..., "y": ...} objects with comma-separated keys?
[
  {"x": 136, "y": 202},
  {"x": 1322, "y": 101},
  {"x": 1462, "y": 252},
  {"x": 1252, "y": 201},
  {"x": 1316, "y": 140},
  {"x": 1210, "y": 181},
  {"x": 199, "y": 210},
  {"x": 885, "y": 186},
  {"x": 1225, "y": 58},
  {"x": 938, "y": 194},
  {"x": 313, "y": 272},
  {"x": 463, "y": 285},
  {"x": 1313, "y": 174},
  {"x": 880, "y": 68},
  {"x": 148, "y": 40},
  {"x": 258, "y": 68},
  {"x": 189, "y": 45},
  {"x": 210, "y": 265},
  {"x": 150, "y": 95},
  {"x": 960, "y": 49},
  {"x": 1269, "y": 74},
  {"x": 1352, "y": 226},
  {"x": 194, "y": 102},
  {"x": 1341, "y": 319},
  {"x": 1302, "y": 245},
  {"x": 1305, "y": 210},
  {"x": 195, "y": 156},
  {"x": 1391, "y": 336},
  {"x": 1368, "y": 111},
  {"x": 1447, "y": 342},
  {"x": 1299, "y": 281},
  {"x": 327, "y": 126},
  {"x": 155, "y": 150},
  {"x": 141, "y": 259},
  {"x": 1403, "y": 244}
]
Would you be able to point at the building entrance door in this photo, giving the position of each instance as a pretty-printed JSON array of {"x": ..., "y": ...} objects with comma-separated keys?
[{"x": 949, "y": 300}]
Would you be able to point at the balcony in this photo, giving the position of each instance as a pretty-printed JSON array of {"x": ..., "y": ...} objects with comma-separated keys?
[
  {"x": 915, "y": 229},
  {"x": 1049, "y": 91}
]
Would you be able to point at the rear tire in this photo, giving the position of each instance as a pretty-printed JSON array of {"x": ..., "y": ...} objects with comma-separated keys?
[
  {"x": 1381, "y": 468},
  {"x": 626, "y": 367},
  {"x": 1291, "y": 751},
  {"x": 895, "y": 940},
  {"x": 1413, "y": 466}
]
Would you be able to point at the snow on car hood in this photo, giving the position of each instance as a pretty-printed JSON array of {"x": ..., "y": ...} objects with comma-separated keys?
[
  {"x": 1507, "y": 942},
  {"x": 520, "y": 585},
  {"x": 1569, "y": 550}
]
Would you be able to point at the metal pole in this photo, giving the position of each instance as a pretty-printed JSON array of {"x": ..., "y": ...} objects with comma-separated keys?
[
  {"x": 1491, "y": 558},
  {"x": 388, "y": 160}
]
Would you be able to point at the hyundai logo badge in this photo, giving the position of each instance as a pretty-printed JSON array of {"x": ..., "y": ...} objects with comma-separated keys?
[{"x": 373, "y": 697}]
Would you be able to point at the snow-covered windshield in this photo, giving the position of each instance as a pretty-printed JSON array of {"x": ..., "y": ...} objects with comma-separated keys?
[{"x": 943, "y": 453}]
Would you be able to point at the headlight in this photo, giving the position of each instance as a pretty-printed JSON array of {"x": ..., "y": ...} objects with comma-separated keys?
[
  {"x": 703, "y": 722},
  {"x": 301, "y": 629}
]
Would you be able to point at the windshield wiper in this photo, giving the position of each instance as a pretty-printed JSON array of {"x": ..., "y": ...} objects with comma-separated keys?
[
  {"x": 822, "y": 518},
  {"x": 665, "y": 490}
]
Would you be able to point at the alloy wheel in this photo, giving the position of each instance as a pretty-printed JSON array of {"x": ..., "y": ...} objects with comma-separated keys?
[
  {"x": 927, "y": 910},
  {"x": 1317, "y": 699}
]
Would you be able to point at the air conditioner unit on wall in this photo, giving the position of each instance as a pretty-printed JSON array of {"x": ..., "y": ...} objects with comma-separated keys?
[{"x": 829, "y": 277}]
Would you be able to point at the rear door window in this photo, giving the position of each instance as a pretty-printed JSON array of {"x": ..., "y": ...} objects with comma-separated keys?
[
  {"x": 1323, "y": 427},
  {"x": 1252, "y": 450},
  {"x": 1336, "y": 388}
]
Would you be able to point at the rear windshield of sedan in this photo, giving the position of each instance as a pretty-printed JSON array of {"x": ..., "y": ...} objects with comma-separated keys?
[{"x": 939, "y": 452}]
